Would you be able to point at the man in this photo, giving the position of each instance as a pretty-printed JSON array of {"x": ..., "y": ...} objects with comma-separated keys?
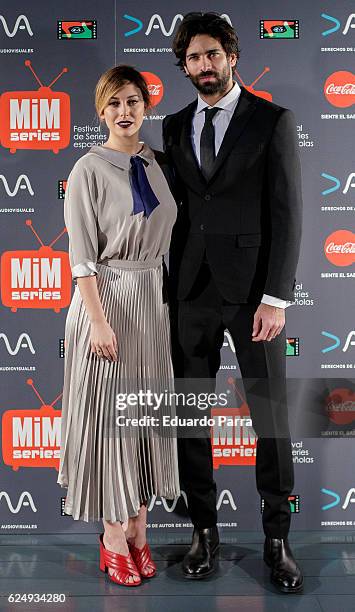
[{"x": 232, "y": 265}]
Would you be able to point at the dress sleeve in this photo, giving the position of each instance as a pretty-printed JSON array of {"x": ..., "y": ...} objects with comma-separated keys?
[{"x": 80, "y": 215}]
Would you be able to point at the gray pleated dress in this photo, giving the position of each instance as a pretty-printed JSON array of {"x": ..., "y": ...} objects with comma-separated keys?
[{"x": 109, "y": 471}]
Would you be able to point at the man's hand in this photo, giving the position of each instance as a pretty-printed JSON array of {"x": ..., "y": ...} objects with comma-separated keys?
[{"x": 268, "y": 322}]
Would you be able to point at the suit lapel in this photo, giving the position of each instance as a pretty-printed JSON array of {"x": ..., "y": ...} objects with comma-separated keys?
[{"x": 242, "y": 113}]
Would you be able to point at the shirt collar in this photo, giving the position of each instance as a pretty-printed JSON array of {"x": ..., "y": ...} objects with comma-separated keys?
[
  {"x": 120, "y": 159},
  {"x": 228, "y": 102}
]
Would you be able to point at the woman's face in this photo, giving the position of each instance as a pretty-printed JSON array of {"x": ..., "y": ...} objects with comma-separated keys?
[{"x": 124, "y": 112}]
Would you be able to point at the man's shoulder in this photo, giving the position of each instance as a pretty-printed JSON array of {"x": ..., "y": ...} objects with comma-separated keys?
[
  {"x": 174, "y": 119},
  {"x": 266, "y": 106}
]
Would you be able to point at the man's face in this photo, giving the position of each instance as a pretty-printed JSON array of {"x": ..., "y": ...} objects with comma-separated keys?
[{"x": 207, "y": 65}]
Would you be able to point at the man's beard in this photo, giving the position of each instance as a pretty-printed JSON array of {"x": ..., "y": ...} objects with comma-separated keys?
[{"x": 219, "y": 85}]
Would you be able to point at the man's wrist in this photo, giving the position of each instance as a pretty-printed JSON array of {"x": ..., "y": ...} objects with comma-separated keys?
[{"x": 274, "y": 301}]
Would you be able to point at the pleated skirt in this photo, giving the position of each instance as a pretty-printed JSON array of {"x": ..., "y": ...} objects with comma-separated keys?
[{"x": 110, "y": 471}]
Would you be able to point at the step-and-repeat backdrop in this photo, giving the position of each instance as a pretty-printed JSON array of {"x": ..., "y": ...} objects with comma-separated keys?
[{"x": 299, "y": 55}]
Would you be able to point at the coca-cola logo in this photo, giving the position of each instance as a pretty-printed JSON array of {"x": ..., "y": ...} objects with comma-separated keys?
[
  {"x": 347, "y": 89},
  {"x": 340, "y": 406},
  {"x": 154, "y": 90},
  {"x": 155, "y": 87},
  {"x": 339, "y": 89},
  {"x": 339, "y": 248}
]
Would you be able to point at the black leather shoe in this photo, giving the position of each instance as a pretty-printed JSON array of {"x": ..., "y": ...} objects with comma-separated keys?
[
  {"x": 285, "y": 573},
  {"x": 200, "y": 561}
]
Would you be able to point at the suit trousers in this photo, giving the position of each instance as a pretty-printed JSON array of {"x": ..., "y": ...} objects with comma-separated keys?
[{"x": 198, "y": 334}]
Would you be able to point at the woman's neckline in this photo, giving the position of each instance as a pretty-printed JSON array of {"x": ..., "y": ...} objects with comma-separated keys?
[{"x": 124, "y": 152}]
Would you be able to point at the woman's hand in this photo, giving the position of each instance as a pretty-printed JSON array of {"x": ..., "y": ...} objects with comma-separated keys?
[{"x": 103, "y": 340}]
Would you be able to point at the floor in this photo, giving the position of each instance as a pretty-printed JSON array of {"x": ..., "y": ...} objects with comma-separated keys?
[{"x": 68, "y": 564}]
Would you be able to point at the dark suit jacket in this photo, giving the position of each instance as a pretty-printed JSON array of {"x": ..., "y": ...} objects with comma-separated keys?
[{"x": 247, "y": 216}]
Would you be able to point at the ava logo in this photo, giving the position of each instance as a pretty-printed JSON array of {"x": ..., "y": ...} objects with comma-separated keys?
[
  {"x": 350, "y": 182},
  {"x": 225, "y": 498},
  {"x": 23, "y": 342},
  {"x": 35, "y": 119},
  {"x": 156, "y": 23},
  {"x": 350, "y": 341},
  {"x": 349, "y": 499},
  {"x": 228, "y": 341},
  {"x": 339, "y": 248},
  {"x": 260, "y": 93},
  {"x": 31, "y": 438},
  {"x": 36, "y": 279},
  {"x": 21, "y": 23},
  {"x": 340, "y": 406},
  {"x": 22, "y": 183},
  {"x": 339, "y": 89},
  {"x": 155, "y": 501},
  {"x": 336, "y": 25},
  {"x": 25, "y": 500},
  {"x": 155, "y": 87}
]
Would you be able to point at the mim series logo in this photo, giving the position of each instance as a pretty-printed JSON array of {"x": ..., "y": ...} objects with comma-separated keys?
[
  {"x": 156, "y": 22},
  {"x": 37, "y": 119},
  {"x": 31, "y": 437},
  {"x": 266, "y": 95},
  {"x": 36, "y": 278},
  {"x": 234, "y": 440}
]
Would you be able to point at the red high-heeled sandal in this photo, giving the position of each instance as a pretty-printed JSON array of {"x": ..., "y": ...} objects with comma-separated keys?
[
  {"x": 124, "y": 566},
  {"x": 143, "y": 559}
]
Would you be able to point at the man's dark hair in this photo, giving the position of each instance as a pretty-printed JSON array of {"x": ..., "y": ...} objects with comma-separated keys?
[{"x": 211, "y": 24}]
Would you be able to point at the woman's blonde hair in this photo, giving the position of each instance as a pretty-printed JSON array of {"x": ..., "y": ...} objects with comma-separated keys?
[{"x": 115, "y": 78}]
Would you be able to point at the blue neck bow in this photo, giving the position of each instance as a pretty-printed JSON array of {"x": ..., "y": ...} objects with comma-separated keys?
[{"x": 144, "y": 198}]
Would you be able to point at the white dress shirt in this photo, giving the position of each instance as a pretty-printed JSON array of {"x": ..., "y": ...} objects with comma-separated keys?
[{"x": 221, "y": 120}]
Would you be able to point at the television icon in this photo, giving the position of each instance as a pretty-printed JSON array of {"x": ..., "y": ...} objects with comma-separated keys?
[
  {"x": 31, "y": 437},
  {"x": 36, "y": 278},
  {"x": 38, "y": 119}
]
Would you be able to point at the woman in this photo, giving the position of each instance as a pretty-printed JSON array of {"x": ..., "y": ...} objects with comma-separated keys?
[{"x": 119, "y": 214}]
